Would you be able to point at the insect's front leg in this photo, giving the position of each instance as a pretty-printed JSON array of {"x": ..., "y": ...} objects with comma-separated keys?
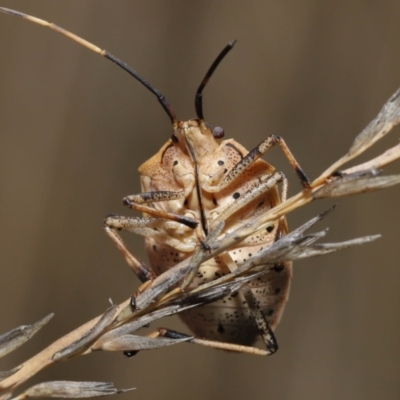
[{"x": 137, "y": 201}]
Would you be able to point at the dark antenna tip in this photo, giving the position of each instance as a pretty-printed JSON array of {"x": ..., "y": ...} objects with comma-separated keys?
[
  {"x": 198, "y": 101},
  {"x": 161, "y": 98}
]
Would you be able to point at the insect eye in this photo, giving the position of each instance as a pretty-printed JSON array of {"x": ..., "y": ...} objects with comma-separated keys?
[{"x": 218, "y": 132}]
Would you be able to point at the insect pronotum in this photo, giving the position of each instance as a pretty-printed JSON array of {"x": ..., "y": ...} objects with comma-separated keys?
[{"x": 195, "y": 181}]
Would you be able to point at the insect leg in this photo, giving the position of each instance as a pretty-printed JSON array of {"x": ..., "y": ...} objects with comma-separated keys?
[
  {"x": 264, "y": 327},
  {"x": 149, "y": 227},
  {"x": 266, "y": 184},
  {"x": 141, "y": 270},
  {"x": 163, "y": 332},
  {"x": 256, "y": 153},
  {"x": 136, "y": 201},
  {"x": 266, "y": 332}
]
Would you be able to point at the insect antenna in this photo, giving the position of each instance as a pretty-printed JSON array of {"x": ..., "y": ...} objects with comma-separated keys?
[
  {"x": 162, "y": 100},
  {"x": 198, "y": 101}
]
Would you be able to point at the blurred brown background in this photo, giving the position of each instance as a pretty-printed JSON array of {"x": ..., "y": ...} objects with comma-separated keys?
[{"x": 74, "y": 129}]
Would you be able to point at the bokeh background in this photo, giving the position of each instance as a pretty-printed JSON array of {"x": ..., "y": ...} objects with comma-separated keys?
[{"x": 74, "y": 129}]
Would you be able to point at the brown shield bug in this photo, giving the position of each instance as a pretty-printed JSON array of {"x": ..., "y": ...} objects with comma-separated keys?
[{"x": 195, "y": 181}]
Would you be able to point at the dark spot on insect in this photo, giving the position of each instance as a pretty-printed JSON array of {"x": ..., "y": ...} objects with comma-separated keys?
[
  {"x": 260, "y": 204},
  {"x": 130, "y": 353},
  {"x": 174, "y": 138},
  {"x": 221, "y": 328},
  {"x": 277, "y": 290},
  {"x": 269, "y": 312},
  {"x": 270, "y": 228},
  {"x": 225, "y": 171},
  {"x": 234, "y": 294},
  {"x": 220, "y": 162},
  {"x": 155, "y": 229},
  {"x": 119, "y": 229},
  {"x": 236, "y": 195},
  {"x": 217, "y": 274},
  {"x": 278, "y": 267},
  {"x": 176, "y": 162},
  {"x": 218, "y": 132},
  {"x": 185, "y": 202},
  {"x": 146, "y": 326},
  {"x": 250, "y": 254},
  {"x": 154, "y": 247},
  {"x": 215, "y": 202}
]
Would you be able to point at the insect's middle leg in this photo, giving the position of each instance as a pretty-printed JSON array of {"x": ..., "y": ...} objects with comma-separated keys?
[
  {"x": 149, "y": 227},
  {"x": 111, "y": 225}
]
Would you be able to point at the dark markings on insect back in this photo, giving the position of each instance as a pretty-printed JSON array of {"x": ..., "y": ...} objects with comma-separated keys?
[
  {"x": 167, "y": 148},
  {"x": 235, "y": 148}
]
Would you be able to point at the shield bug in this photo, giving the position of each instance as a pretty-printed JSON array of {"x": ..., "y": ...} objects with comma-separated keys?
[{"x": 195, "y": 181}]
